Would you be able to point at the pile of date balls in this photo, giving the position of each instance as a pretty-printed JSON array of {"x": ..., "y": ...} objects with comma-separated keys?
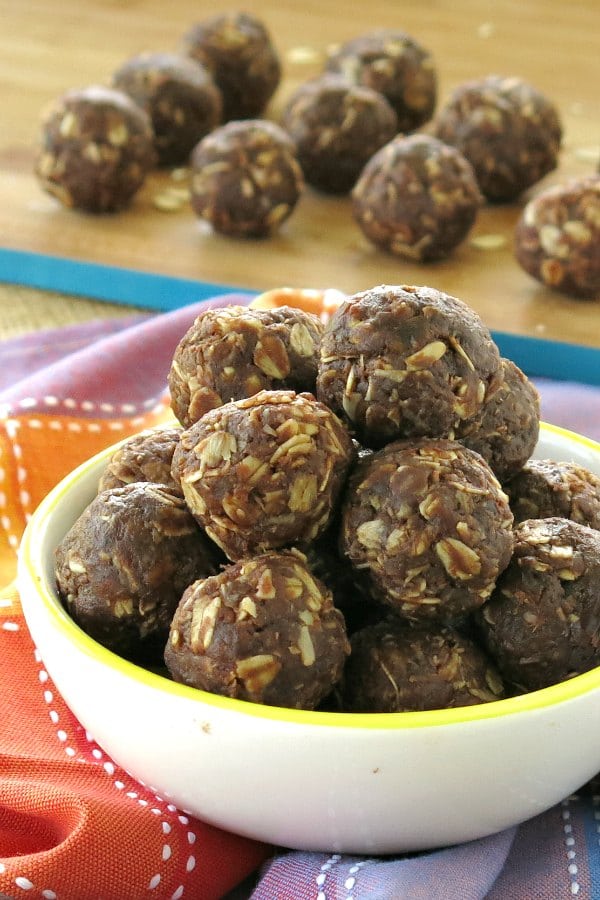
[
  {"x": 356, "y": 128},
  {"x": 346, "y": 516}
]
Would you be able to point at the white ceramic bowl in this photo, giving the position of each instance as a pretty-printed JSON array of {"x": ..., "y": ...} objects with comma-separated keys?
[{"x": 359, "y": 783}]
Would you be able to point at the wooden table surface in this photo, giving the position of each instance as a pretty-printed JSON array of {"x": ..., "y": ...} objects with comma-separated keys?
[{"x": 49, "y": 46}]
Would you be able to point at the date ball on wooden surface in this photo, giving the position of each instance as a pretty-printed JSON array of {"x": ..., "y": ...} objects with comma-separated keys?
[
  {"x": 263, "y": 630},
  {"x": 123, "y": 566},
  {"x": 430, "y": 525},
  {"x": 508, "y": 130},
  {"x": 337, "y": 126},
  {"x": 146, "y": 456},
  {"x": 264, "y": 472},
  {"x": 97, "y": 147},
  {"x": 397, "y": 668},
  {"x": 405, "y": 361},
  {"x": 394, "y": 64},
  {"x": 235, "y": 352},
  {"x": 557, "y": 238},
  {"x": 180, "y": 97},
  {"x": 506, "y": 428},
  {"x": 246, "y": 179},
  {"x": 416, "y": 197},
  {"x": 541, "y": 623},
  {"x": 545, "y": 488},
  {"x": 238, "y": 51}
]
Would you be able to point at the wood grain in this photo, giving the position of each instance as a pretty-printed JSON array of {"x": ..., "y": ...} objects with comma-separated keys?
[{"x": 48, "y": 46}]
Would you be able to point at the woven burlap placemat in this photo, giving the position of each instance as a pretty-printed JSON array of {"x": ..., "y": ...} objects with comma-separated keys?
[{"x": 24, "y": 309}]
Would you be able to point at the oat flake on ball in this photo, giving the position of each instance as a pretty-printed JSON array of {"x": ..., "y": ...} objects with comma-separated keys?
[
  {"x": 405, "y": 361},
  {"x": 264, "y": 472},
  {"x": 263, "y": 630},
  {"x": 246, "y": 180},
  {"x": 416, "y": 197},
  {"x": 235, "y": 352},
  {"x": 97, "y": 146}
]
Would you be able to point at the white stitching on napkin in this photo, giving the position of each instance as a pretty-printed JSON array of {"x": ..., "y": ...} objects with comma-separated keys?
[{"x": 572, "y": 867}]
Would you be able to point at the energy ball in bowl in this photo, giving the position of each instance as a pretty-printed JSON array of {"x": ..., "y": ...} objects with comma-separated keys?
[
  {"x": 557, "y": 238},
  {"x": 541, "y": 623},
  {"x": 405, "y": 361},
  {"x": 123, "y": 566},
  {"x": 506, "y": 428},
  {"x": 235, "y": 352},
  {"x": 264, "y": 472},
  {"x": 263, "y": 630},
  {"x": 394, "y": 667},
  {"x": 394, "y": 64},
  {"x": 180, "y": 97},
  {"x": 337, "y": 126},
  {"x": 146, "y": 456},
  {"x": 430, "y": 525},
  {"x": 416, "y": 197},
  {"x": 545, "y": 488},
  {"x": 509, "y": 131},
  {"x": 246, "y": 179},
  {"x": 97, "y": 147},
  {"x": 237, "y": 50}
]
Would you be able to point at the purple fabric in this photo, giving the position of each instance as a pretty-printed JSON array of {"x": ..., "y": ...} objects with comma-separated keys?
[{"x": 99, "y": 365}]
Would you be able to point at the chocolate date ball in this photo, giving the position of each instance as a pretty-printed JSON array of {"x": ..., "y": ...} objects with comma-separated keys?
[
  {"x": 123, "y": 566},
  {"x": 264, "y": 472},
  {"x": 337, "y": 126},
  {"x": 417, "y": 198},
  {"x": 545, "y": 488},
  {"x": 146, "y": 456},
  {"x": 541, "y": 623},
  {"x": 237, "y": 50},
  {"x": 263, "y": 630},
  {"x": 506, "y": 429},
  {"x": 430, "y": 525},
  {"x": 97, "y": 147},
  {"x": 557, "y": 238},
  {"x": 246, "y": 179},
  {"x": 394, "y": 64},
  {"x": 509, "y": 131},
  {"x": 235, "y": 352},
  {"x": 180, "y": 97},
  {"x": 397, "y": 668},
  {"x": 405, "y": 361}
]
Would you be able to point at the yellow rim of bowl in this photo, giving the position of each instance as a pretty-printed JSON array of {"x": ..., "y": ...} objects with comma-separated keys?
[{"x": 32, "y": 538}]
